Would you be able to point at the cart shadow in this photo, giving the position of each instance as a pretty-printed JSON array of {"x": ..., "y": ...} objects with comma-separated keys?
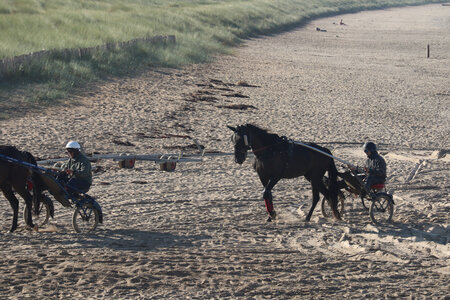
[
  {"x": 423, "y": 232},
  {"x": 137, "y": 240},
  {"x": 401, "y": 231},
  {"x": 417, "y": 231}
]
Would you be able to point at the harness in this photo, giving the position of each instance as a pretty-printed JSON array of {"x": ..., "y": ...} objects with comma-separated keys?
[{"x": 286, "y": 151}]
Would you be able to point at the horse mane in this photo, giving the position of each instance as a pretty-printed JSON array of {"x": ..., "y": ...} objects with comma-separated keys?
[
  {"x": 12, "y": 151},
  {"x": 268, "y": 137},
  {"x": 29, "y": 157},
  {"x": 9, "y": 150}
]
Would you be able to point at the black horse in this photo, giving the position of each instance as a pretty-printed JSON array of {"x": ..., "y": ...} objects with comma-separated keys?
[
  {"x": 15, "y": 176},
  {"x": 277, "y": 157}
]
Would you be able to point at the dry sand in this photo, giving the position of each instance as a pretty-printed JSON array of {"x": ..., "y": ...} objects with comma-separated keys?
[{"x": 201, "y": 231}]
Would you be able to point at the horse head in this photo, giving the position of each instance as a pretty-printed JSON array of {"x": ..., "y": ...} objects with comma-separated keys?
[{"x": 240, "y": 139}]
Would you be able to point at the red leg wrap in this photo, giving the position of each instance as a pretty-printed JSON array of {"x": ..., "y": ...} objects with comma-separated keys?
[{"x": 269, "y": 205}]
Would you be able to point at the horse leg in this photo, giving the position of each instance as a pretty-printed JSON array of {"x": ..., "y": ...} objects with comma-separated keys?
[
  {"x": 268, "y": 199},
  {"x": 315, "y": 184},
  {"x": 23, "y": 192},
  {"x": 333, "y": 201},
  {"x": 326, "y": 193},
  {"x": 9, "y": 194}
]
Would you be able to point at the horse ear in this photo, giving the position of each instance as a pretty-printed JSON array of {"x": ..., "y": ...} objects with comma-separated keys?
[{"x": 232, "y": 128}]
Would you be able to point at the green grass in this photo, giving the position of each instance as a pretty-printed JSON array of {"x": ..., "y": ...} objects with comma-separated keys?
[{"x": 202, "y": 28}]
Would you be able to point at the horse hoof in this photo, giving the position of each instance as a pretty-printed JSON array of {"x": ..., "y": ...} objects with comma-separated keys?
[
  {"x": 337, "y": 216},
  {"x": 13, "y": 228},
  {"x": 273, "y": 215},
  {"x": 34, "y": 228}
]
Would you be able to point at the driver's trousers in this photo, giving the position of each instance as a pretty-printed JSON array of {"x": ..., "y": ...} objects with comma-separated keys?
[
  {"x": 77, "y": 185},
  {"x": 371, "y": 180}
]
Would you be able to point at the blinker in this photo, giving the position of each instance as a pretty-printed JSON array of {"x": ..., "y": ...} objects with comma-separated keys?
[{"x": 246, "y": 140}]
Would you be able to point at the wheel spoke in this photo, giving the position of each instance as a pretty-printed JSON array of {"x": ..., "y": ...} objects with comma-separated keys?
[
  {"x": 381, "y": 209},
  {"x": 41, "y": 218},
  {"x": 85, "y": 218}
]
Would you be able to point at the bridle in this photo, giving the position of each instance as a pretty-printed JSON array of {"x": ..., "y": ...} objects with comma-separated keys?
[
  {"x": 247, "y": 142},
  {"x": 241, "y": 132}
]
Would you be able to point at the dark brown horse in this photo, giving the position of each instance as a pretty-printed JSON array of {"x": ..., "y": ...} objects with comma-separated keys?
[
  {"x": 14, "y": 177},
  {"x": 276, "y": 158}
]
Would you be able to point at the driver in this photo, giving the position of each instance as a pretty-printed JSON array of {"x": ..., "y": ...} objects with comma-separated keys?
[
  {"x": 375, "y": 166},
  {"x": 77, "y": 169}
]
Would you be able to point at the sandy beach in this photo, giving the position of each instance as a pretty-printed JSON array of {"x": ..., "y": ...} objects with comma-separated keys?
[{"x": 200, "y": 232}]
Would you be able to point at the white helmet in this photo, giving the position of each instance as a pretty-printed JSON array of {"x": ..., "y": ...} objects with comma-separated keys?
[{"x": 73, "y": 145}]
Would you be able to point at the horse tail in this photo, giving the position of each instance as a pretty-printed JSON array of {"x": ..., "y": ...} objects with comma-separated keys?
[
  {"x": 333, "y": 186},
  {"x": 36, "y": 179}
]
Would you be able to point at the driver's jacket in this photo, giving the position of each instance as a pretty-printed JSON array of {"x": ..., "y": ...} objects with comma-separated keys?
[
  {"x": 81, "y": 167},
  {"x": 376, "y": 166}
]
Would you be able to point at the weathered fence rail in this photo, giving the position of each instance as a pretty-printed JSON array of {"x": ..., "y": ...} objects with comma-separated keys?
[{"x": 14, "y": 64}]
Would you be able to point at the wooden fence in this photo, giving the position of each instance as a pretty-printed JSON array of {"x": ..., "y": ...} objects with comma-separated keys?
[{"x": 14, "y": 64}]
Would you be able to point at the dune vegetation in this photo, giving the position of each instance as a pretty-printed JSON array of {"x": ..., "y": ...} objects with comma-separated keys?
[{"x": 202, "y": 28}]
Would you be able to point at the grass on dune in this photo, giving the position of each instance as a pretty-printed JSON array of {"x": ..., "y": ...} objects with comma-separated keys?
[{"x": 202, "y": 28}]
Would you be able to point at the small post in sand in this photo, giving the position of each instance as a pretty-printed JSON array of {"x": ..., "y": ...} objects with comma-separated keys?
[
  {"x": 415, "y": 171},
  {"x": 428, "y": 50}
]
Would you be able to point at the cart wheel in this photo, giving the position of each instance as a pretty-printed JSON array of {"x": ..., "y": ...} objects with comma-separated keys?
[
  {"x": 326, "y": 209},
  {"x": 85, "y": 218},
  {"x": 41, "y": 218},
  {"x": 382, "y": 209}
]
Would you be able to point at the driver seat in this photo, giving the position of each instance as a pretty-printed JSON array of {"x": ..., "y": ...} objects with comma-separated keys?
[{"x": 377, "y": 187}]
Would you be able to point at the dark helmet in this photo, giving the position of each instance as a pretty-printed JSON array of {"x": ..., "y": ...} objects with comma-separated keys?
[{"x": 369, "y": 146}]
